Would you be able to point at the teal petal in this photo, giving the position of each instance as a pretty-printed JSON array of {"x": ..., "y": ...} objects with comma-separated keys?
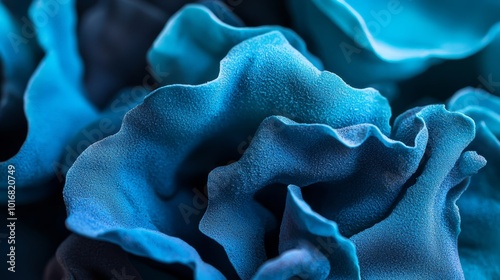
[
  {"x": 382, "y": 193},
  {"x": 195, "y": 40},
  {"x": 305, "y": 232},
  {"x": 479, "y": 241},
  {"x": 135, "y": 188},
  {"x": 418, "y": 238},
  {"x": 392, "y": 40},
  {"x": 55, "y": 106}
]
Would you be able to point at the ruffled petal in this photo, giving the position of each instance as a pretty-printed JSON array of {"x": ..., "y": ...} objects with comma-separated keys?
[
  {"x": 311, "y": 246},
  {"x": 479, "y": 240},
  {"x": 419, "y": 236},
  {"x": 55, "y": 106},
  {"x": 205, "y": 41},
  {"x": 135, "y": 188},
  {"x": 392, "y": 40},
  {"x": 354, "y": 176}
]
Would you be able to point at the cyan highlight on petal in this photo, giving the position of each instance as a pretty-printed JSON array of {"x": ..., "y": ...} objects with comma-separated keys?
[
  {"x": 17, "y": 63},
  {"x": 128, "y": 189},
  {"x": 62, "y": 121},
  {"x": 479, "y": 240},
  {"x": 55, "y": 107},
  {"x": 195, "y": 40},
  {"x": 403, "y": 37},
  {"x": 303, "y": 229}
]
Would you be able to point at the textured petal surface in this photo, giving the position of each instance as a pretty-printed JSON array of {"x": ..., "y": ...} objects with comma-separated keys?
[
  {"x": 54, "y": 104},
  {"x": 401, "y": 37},
  {"x": 196, "y": 36},
  {"x": 180, "y": 133},
  {"x": 304, "y": 229},
  {"x": 419, "y": 236},
  {"x": 479, "y": 242},
  {"x": 355, "y": 176}
]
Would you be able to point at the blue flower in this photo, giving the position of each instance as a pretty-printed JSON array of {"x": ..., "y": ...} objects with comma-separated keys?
[
  {"x": 260, "y": 77},
  {"x": 382, "y": 198},
  {"x": 221, "y": 149},
  {"x": 393, "y": 198}
]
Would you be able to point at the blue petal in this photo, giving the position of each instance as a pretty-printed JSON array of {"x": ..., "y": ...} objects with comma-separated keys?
[
  {"x": 194, "y": 41},
  {"x": 304, "y": 232},
  {"x": 350, "y": 160},
  {"x": 419, "y": 236},
  {"x": 304, "y": 262},
  {"x": 392, "y": 40},
  {"x": 354, "y": 176},
  {"x": 479, "y": 242},
  {"x": 54, "y": 104},
  {"x": 17, "y": 62},
  {"x": 133, "y": 188}
]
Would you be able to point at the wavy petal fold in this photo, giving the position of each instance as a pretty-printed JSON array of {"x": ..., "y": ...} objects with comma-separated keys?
[
  {"x": 181, "y": 132},
  {"x": 479, "y": 240},
  {"x": 392, "y": 40},
  {"x": 54, "y": 105},
  {"x": 205, "y": 41},
  {"x": 370, "y": 185}
]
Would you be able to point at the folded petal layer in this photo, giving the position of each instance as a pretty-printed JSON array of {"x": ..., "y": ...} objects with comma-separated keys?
[
  {"x": 195, "y": 40},
  {"x": 392, "y": 40},
  {"x": 479, "y": 240},
  {"x": 133, "y": 188},
  {"x": 357, "y": 177},
  {"x": 55, "y": 106}
]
